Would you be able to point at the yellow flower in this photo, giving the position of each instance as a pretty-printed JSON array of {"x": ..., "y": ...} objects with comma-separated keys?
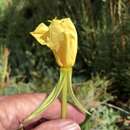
[{"x": 61, "y": 37}]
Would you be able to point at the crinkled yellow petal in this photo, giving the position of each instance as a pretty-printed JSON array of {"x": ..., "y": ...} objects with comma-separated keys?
[
  {"x": 61, "y": 38},
  {"x": 41, "y": 33},
  {"x": 66, "y": 54}
]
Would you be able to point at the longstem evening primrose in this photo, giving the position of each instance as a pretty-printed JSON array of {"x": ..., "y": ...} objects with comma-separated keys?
[{"x": 61, "y": 37}]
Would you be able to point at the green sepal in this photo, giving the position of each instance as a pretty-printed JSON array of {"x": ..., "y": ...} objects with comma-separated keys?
[
  {"x": 52, "y": 96},
  {"x": 72, "y": 95}
]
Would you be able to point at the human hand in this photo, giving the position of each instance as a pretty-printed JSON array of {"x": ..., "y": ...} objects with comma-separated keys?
[{"x": 14, "y": 109}]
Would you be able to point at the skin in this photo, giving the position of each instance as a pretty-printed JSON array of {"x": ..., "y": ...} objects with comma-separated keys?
[{"x": 14, "y": 109}]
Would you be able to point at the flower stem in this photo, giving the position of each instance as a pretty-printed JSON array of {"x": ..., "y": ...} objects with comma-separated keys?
[
  {"x": 64, "y": 102},
  {"x": 64, "y": 94}
]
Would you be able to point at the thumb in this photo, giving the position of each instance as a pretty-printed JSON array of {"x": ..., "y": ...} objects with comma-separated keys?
[{"x": 60, "y": 124}]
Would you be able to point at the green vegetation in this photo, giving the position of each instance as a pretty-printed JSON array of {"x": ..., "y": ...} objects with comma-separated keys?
[{"x": 102, "y": 70}]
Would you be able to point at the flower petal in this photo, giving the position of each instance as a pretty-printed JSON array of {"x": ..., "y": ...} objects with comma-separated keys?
[
  {"x": 41, "y": 28},
  {"x": 41, "y": 33},
  {"x": 61, "y": 38}
]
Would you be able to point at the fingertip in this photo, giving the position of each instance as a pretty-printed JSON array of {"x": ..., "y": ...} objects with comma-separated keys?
[
  {"x": 54, "y": 112},
  {"x": 61, "y": 124},
  {"x": 76, "y": 115}
]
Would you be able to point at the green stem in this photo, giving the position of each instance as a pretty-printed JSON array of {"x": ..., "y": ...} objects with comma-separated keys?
[
  {"x": 64, "y": 92},
  {"x": 64, "y": 102}
]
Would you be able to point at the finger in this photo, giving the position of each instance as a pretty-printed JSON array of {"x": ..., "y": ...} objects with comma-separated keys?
[
  {"x": 16, "y": 108},
  {"x": 2, "y": 97},
  {"x": 58, "y": 125}
]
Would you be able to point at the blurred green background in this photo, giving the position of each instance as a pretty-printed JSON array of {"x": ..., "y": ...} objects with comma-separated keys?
[{"x": 101, "y": 74}]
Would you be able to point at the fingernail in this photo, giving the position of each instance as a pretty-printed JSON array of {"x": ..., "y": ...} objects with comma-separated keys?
[{"x": 70, "y": 126}]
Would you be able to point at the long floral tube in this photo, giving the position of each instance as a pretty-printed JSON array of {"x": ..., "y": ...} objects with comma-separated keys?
[{"x": 64, "y": 95}]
